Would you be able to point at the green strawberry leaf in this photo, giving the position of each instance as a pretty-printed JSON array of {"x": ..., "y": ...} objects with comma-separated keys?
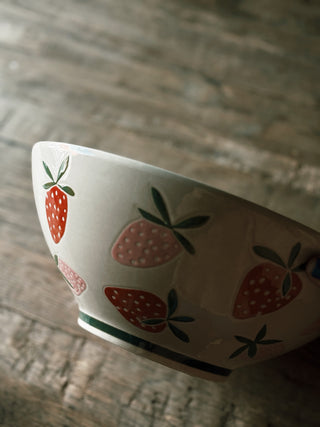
[
  {"x": 294, "y": 253},
  {"x": 161, "y": 206},
  {"x": 252, "y": 350},
  {"x": 286, "y": 285},
  {"x": 300, "y": 268},
  {"x": 182, "y": 319},
  {"x": 153, "y": 321},
  {"x": 48, "y": 185},
  {"x": 67, "y": 190},
  {"x": 243, "y": 339},
  {"x": 266, "y": 342},
  {"x": 172, "y": 302},
  {"x": 261, "y": 334},
  {"x": 63, "y": 168},
  {"x": 194, "y": 222},
  {"x": 268, "y": 254},
  {"x": 178, "y": 333},
  {"x": 185, "y": 243},
  {"x": 151, "y": 217},
  {"x": 48, "y": 172},
  {"x": 238, "y": 351}
]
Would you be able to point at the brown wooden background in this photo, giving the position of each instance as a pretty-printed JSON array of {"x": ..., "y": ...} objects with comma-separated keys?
[{"x": 225, "y": 91}]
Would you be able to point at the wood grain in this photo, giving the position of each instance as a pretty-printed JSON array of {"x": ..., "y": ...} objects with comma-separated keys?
[{"x": 223, "y": 91}]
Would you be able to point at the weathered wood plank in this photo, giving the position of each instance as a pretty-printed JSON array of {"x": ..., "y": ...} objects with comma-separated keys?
[{"x": 226, "y": 92}]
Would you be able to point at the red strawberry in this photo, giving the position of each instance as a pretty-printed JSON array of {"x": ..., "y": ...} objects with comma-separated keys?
[
  {"x": 147, "y": 311},
  {"x": 257, "y": 346},
  {"x": 76, "y": 283},
  {"x": 57, "y": 202},
  {"x": 152, "y": 241},
  {"x": 268, "y": 286}
]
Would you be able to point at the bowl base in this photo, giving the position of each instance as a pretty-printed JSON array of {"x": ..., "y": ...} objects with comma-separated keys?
[{"x": 152, "y": 351}]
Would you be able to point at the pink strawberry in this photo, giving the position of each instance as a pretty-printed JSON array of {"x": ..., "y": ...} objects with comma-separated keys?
[
  {"x": 152, "y": 241},
  {"x": 268, "y": 286},
  {"x": 256, "y": 347},
  {"x": 76, "y": 283},
  {"x": 147, "y": 311},
  {"x": 57, "y": 202}
]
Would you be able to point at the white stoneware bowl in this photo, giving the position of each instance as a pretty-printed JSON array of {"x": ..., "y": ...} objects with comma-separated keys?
[{"x": 177, "y": 271}]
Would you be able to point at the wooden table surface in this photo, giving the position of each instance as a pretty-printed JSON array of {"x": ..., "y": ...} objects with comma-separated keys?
[{"x": 223, "y": 91}]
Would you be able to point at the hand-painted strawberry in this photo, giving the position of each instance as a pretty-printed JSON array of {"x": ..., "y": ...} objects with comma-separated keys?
[
  {"x": 57, "y": 202},
  {"x": 76, "y": 283},
  {"x": 147, "y": 311},
  {"x": 253, "y": 347},
  {"x": 268, "y": 286},
  {"x": 152, "y": 241}
]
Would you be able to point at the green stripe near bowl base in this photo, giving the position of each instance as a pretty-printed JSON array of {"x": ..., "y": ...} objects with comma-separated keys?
[{"x": 153, "y": 348}]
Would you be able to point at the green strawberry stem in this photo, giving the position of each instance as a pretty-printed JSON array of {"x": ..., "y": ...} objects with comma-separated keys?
[
  {"x": 193, "y": 222},
  {"x": 62, "y": 170},
  {"x": 270, "y": 255},
  {"x": 172, "y": 300},
  {"x": 252, "y": 345}
]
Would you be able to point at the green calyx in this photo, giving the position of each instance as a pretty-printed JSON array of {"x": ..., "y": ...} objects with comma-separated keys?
[
  {"x": 251, "y": 346},
  {"x": 272, "y": 256},
  {"x": 62, "y": 170},
  {"x": 172, "y": 306},
  {"x": 165, "y": 221}
]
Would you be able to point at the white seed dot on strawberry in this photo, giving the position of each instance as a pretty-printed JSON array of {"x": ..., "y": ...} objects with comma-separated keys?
[
  {"x": 50, "y": 205},
  {"x": 144, "y": 317},
  {"x": 141, "y": 296},
  {"x": 60, "y": 201},
  {"x": 263, "y": 306},
  {"x": 118, "y": 307},
  {"x": 277, "y": 298},
  {"x": 150, "y": 242},
  {"x": 57, "y": 217},
  {"x": 64, "y": 210},
  {"x": 113, "y": 297},
  {"x": 252, "y": 302},
  {"x": 157, "y": 259},
  {"x": 276, "y": 277},
  {"x": 146, "y": 251},
  {"x": 141, "y": 234},
  {"x": 132, "y": 229},
  {"x": 266, "y": 293},
  {"x": 59, "y": 234},
  {"x": 125, "y": 309},
  {"x": 131, "y": 320},
  {"x": 278, "y": 305},
  {"x": 164, "y": 234},
  {"x": 142, "y": 260},
  {"x": 129, "y": 251},
  {"x": 138, "y": 309},
  {"x": 63, "y": 218},
  {"x": 52, "y": 215},
  {"x": 269, "y": 300},
  {"x": 156, "y": 314},
  {"x": 154, "y": 230},
  {"x": 52, "y": 195},
  {"x": 245, "y": 312},
  {"x": 154, "y": 248},
  {"x": 54, "y": 226},
  {"x": 252, "y": 282},
  {"x": 120, "y": 255},
  {"x": 136, "y": 302},
  {"x": 133, "y": 262},
  {"x": 63, "y": 197},
  {"x": 141, "y": 224},
  {"x": 239, "y": 305},
  {"x": 158, "y": 305},
  {"x": 59, "y": 226},
  {"x": 257, "y": 290},
  {"x": 262, "y": 280},
  {"x": 127, "y": 240},
  {"x": 124, "y": 301},
  {"x": 50, "y": 228},
  {"x": 294, "y": 288},
  {"x": 115, "y": 292},
  {"x": 246, "y": 293},
  {"x": 148, "y": 304},
  {"x": 138, "y": 244}
]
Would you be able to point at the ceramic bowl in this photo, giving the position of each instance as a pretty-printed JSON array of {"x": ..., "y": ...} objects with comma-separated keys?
[{"x": 180, "y": 272}]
